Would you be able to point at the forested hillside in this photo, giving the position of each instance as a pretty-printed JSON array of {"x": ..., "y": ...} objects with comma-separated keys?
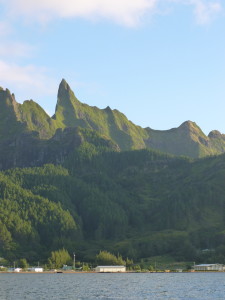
[{"x": 138, "y": 203}]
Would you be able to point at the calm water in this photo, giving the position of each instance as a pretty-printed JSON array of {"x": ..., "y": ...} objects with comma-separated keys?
[{"x": 112, "y": 286}]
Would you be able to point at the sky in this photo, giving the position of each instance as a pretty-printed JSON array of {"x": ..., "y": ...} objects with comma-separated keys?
[{"x": 160, "y": 62}]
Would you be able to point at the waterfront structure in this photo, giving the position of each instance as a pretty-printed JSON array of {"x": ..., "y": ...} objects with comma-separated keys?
[
  {"x": 209, "y": 267},
  {"x": 67, "y": 268},
  {"x": 17, "y": 270},
  {"x": 36, "y": 269},
  {"x": 110, "y": 269}
]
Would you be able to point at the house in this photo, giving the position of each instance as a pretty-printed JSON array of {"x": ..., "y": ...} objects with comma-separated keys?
[
  {"x": 36, "y": 269},
  {"x": 110, "y": 269},
  {"x": 209, "y": 267},
  {"x": 67, "y": 268},
  {"x": 17, "y": 270}
]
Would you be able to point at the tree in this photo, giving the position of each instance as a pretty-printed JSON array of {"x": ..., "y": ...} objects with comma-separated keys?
[
  {"x": 107, "y": 258},
  {"x": 23, "y": 263},
  {"x": 5, "y": 237},
  {"x": 59, "y": 258}
]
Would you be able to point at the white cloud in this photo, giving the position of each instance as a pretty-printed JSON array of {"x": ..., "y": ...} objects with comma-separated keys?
[
  {"x": 205, "y": 11},
  {"x": 30, "y": 79},
  {"x": 127, "y": 12},
  {"x": 5, "y": 28},
  {"x": 15, "y": 49}
]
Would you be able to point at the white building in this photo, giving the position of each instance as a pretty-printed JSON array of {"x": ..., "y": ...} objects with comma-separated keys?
[
  {"x": 110, "y": 269},
  {"x": 17, "y": 270},
  {"x": 35, "y": 269},
  {"x": 209, "y": 267}
]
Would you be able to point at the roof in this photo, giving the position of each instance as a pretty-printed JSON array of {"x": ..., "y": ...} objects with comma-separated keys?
[
  {"x": 110, "y": 267},
  {"x": 207, "y": 265}
]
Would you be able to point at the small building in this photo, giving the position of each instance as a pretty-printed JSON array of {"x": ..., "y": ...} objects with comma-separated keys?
[
  {"x": 36, "y": 269},
  {"x": 209, "y": 267},
  {"x": 110, "y": 269},
  {"x": 67, "y": 268},
  {"x": 17, "y": 270}
]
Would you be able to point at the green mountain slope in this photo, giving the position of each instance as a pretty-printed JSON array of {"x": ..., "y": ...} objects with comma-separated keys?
[
  {"x": 18, "y": 118},
  {"x": 9, "y": 115},
  {"x": 188, "y": 139},
  {"x": 36, "y": 119},
  {"x": 31, "y": 223},
  {"x": 28, "y": 150},
  {"x": 138, "y": 203},
  {"x": 71, "y": 112},
  {"x": 29, "y": 117}
]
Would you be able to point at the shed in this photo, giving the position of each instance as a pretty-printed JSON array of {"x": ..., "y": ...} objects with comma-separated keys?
[
  {"x": 209, "y": 267},
  {"x": 36, "y": 269},
  {"x": 110, "y": 269},
  {"x": 17, "y": 270}
]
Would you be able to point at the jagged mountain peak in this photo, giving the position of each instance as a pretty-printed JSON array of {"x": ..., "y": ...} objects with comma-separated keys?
[
  {"x": 64, "y": 85},
  {"x": 215, "y": 134},
  {"x": 65, "y": 96},
  {"x": 187, "y": 139},
  {"x": 63, "y": 91},
  {"x": 7, "y": 97},
  {"x": 67, "y": 107},
  {"x": 188, "y": 125}
]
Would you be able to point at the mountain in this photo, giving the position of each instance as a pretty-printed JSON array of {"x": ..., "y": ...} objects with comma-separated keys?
[
  {"x": 71, "y": 112},
  {"x": 28, "y": 121},
  {"x": 89, "y": 179},
  {"x": 19, "y": 118},
  {"x": 188, "y": 139}
]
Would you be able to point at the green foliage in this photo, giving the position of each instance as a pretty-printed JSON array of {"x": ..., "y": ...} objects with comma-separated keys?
[
  {"x": 29, "y": 221},
  {"x": 137, "y": 268},
  {"x": 59, "y": 258},
  {"x": 5, "y": 238},
  {"x": 105, "y": 258},
  {"x": 23, "y": 263},
  {"x": 85, "y": 268},
  {"x": 129, "y": 263},
  {"x": 151, "y": 268}
]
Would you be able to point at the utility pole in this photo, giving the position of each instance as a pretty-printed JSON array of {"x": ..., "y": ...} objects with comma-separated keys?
[{"x": 74, "y": 260}]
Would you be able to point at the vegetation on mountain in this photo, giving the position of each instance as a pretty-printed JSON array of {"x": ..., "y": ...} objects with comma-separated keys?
[
  {"x": 74, "y": 182},
  {"x": 29, "y": 119},
  {"x": 138, "y": 203}
]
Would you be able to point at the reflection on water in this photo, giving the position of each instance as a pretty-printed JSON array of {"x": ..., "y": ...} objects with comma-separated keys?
[{"x": 113, "y": 286}]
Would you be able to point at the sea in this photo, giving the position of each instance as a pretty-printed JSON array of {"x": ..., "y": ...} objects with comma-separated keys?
[{"x": 112, "y": 286}]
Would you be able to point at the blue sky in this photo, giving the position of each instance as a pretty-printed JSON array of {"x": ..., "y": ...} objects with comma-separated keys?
[{"x": 160, "y": 62}]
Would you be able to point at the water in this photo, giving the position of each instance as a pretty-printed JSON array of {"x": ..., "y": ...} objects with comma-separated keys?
[{"x": 112, "y": 286}]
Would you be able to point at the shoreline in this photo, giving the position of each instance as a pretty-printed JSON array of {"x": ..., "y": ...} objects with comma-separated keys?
[{"x": 93, "y": 272}]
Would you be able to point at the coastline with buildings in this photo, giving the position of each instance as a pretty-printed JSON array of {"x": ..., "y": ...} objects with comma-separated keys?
[{"x": 112, "y": 269}]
